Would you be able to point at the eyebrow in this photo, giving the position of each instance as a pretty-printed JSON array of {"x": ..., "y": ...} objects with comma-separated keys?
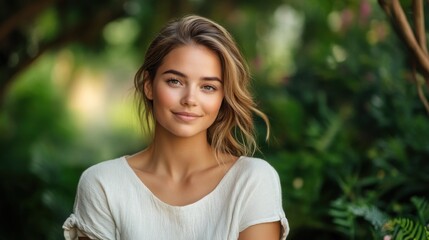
[{"x": 175, "y": 72}]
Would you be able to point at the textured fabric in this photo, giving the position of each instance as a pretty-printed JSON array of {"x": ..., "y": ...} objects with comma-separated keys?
[{"x": 113, "y": 203}]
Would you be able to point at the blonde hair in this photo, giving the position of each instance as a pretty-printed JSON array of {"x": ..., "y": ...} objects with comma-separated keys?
[{"x": 233, "y": 131}]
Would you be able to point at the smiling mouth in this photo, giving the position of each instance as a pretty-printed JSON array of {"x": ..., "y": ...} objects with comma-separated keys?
[{"x": 186, "y": 116}]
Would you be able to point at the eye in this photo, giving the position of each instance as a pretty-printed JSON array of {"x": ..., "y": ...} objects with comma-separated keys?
[
  {"x": 173, "y": 82},
  {"x": 208, "y": 88}
]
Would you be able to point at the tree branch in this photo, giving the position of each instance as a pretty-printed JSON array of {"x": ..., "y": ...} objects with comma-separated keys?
[
  {"x": 386, "y": 7},
  {"x": 419, "y": 21},
  {"x": 409, "y": 38},
  {"x": 84, "y": 31},
  {"x": 416, "y": 42},
  {"x": 420, "y": 82},
  {"x": 25, "y": 14}
]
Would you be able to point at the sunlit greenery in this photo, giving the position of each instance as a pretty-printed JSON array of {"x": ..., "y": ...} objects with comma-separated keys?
[{"x": 350, "y": 138}]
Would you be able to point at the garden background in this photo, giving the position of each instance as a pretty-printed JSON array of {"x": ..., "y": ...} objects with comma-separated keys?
[{"x": 350, "y": 137}]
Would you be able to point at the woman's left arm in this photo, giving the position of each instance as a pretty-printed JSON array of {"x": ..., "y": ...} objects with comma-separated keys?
[{"x": 263, "y": 231}]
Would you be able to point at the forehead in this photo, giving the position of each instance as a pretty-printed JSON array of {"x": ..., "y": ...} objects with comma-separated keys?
[{"x": 193, "y": 60}]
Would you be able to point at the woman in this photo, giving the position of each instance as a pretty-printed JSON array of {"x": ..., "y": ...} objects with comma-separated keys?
[{"x": 195, "y": 180}]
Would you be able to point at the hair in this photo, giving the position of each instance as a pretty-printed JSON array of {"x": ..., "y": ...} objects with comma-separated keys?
[{"x": 233, "y": 131}]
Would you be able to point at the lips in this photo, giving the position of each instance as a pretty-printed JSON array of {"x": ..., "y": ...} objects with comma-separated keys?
[{"x": 186, "y": 116}]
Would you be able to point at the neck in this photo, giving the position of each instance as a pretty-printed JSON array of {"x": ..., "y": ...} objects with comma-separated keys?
[{"x": 180, "y": 156}]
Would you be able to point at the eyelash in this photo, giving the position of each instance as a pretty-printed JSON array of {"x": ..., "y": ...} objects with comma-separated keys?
[
  {"x": 175, "y": 82},
  {"x": 209, "y": 88}
]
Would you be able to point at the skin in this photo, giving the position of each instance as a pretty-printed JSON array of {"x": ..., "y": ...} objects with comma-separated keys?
[
  {"x": 179, "y": 167},
  {"x": 187, "y": 92},
  {"x": 187, "y": 83}
]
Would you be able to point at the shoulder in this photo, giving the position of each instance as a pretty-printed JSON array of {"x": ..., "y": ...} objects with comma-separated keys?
[
  {"x": 258, "y": 183},
  {"x": 103, "y": 171},
  {"x": 105, "y": 166},
  {"x": 253, "y": 171},
  {"x": 255, "y": 166}
]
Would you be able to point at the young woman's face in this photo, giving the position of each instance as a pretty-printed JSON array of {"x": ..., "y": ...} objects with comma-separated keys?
[{"x": 187, "y": 91}]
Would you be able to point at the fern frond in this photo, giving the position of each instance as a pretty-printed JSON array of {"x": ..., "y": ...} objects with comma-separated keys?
[
  {"x": 406, "y": 228},
  {"x": 345, "y": 215},
  {"x": 342, "y": 217},
  {"x": 422, "y": 207},
  {"x": 370, "y": 213}
]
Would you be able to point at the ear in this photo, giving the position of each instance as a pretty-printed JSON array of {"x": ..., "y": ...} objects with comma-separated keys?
[{"x": 148, "y": 86}]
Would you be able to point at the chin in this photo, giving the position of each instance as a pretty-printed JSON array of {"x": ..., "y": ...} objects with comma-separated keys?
[{"x": 186, "y": 133}]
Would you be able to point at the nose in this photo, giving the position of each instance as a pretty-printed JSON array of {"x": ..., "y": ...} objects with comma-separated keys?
[{"x": 189, "y": 97}]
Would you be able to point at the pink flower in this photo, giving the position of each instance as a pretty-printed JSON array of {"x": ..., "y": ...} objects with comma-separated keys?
[{"x": 365, "y": 11}]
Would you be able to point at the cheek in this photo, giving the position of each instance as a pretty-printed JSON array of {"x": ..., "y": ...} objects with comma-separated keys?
[
  {"x": 214, "y": 105},
  {"x": 164, "y": 97}
]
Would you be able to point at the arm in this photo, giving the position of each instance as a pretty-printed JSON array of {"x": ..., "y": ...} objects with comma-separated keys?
[
  {"x": 262, "y": 216},
  {"x": 91, "y": 217},
  {"x": 263, "y": 231}
]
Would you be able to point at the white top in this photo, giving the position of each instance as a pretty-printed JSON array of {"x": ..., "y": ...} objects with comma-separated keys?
[{"x": 113, "y": 203}]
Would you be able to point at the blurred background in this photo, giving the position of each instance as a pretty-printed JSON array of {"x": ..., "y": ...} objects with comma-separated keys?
[{"x": 350, "y": 137}]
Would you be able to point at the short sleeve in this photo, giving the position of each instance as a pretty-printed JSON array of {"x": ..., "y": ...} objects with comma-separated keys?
[
  {"x": 263, "y": 204},
  {"x": 91, "y": 214}
]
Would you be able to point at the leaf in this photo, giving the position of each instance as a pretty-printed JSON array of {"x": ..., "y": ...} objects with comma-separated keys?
[
  {"x": 370, "y": 213},
  {"x": 406, "y": 228},
  {"x": 422, "y": 207}
]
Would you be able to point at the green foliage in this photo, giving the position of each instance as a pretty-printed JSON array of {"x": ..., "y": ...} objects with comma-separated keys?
[
  {"x": 422, "y": 207},
  {"x": 37, "y": 138},
  {"x": 362, "y": 133},
  {"x": 406, "y": 228},
  {"x": 346, "y": 217},
  {"x": 411, "y": 228}
]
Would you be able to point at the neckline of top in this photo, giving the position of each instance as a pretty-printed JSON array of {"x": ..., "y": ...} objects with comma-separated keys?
[{"x": 202, "y": 199}]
